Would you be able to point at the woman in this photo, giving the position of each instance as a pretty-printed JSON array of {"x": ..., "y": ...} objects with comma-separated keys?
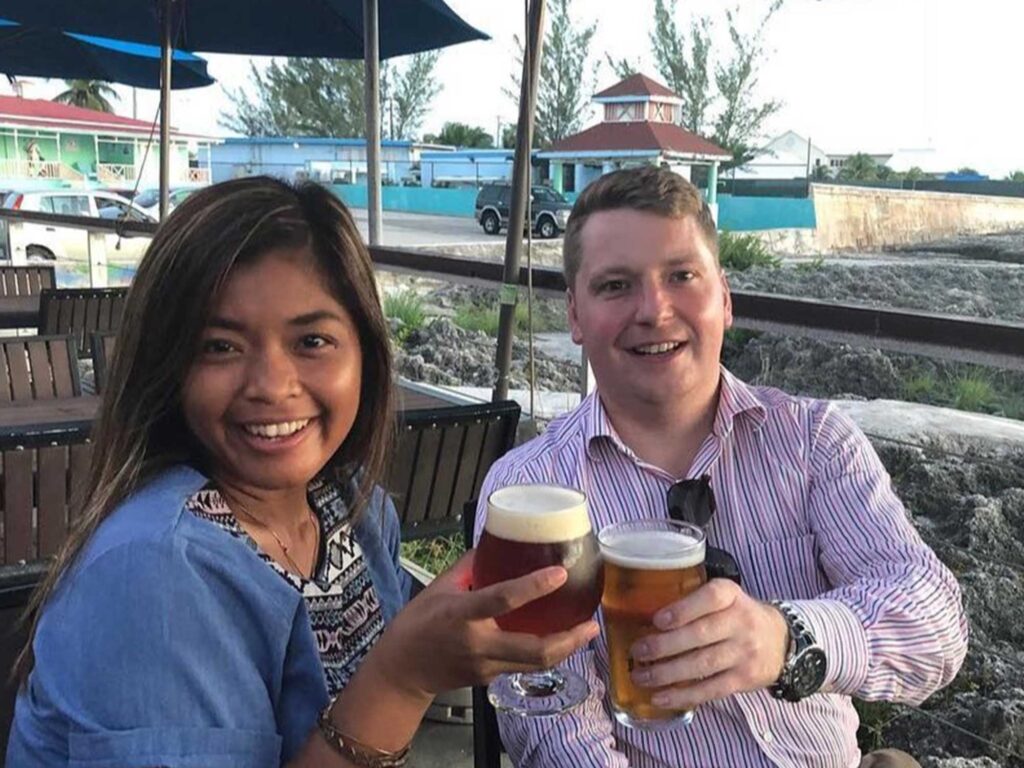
[{"x": 236, "y": 565}]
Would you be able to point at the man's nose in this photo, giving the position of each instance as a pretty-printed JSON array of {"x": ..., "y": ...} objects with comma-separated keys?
[{"x": 654, "y": 303}]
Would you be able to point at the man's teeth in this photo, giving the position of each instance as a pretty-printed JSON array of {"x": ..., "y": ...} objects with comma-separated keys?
[
  {"x": 283, "y": 429},
  {"x": 657, "y": 349}
]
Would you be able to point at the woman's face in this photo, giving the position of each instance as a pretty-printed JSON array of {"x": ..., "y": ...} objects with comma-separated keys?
[{"x": 274, "y": 388}]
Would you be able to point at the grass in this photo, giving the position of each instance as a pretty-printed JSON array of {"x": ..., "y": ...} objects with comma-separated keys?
[
  {"x": 973, "y": 392},
  {"x": 436, "y": 554},
  {"x": 741, "y": 252},
  {"x": 408, "y": 307},
  {"x": 471, "y": 316}
]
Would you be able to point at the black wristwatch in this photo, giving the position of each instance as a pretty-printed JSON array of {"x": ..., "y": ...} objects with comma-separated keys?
[{"x": 806, "y": 663}]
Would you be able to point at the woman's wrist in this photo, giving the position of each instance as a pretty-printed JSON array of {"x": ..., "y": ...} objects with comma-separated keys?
[{"x": 376, "y": 688}]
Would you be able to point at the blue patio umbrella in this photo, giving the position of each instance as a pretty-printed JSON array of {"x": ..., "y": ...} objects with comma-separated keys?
[
  {"x": 339, "y": 29},
  {"x": 45, "y": 52}
]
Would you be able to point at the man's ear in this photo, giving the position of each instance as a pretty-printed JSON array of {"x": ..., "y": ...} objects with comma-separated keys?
[
  {"x": 726, "y": 298},
  {"x": 574, "y": 324}
]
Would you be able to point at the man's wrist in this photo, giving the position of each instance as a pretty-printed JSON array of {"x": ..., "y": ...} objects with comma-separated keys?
[{"x": 806, "y": 665}]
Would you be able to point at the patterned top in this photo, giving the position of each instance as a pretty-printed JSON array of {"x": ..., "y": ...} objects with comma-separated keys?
[
  {"x": 342, "y": 604},
  {"x": 807, "y": 509}
]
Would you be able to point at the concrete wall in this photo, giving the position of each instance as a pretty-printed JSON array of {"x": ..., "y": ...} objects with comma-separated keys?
[{"x": 851, "y": 218}]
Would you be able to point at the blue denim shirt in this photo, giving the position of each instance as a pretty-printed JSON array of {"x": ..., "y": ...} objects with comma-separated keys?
[{"x": 171, "y": 643}]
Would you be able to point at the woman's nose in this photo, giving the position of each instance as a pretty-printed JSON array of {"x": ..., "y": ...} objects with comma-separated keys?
[{"x": 272, "y": 375}]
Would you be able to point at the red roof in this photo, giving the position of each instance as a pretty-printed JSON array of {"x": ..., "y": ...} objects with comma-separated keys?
[
  {"x": 40, "y": 113},
  {"x": 609, "y": 137},
  {"x": 636, "y": 85}
]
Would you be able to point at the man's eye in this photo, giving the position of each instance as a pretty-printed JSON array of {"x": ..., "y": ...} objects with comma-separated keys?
[
  {"x": 612, "y": 286},
  {"x": 681, "y": 276}
]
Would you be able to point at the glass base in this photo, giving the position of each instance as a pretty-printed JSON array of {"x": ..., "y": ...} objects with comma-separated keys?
[
  {"x": 538, "y": 694},
  {"x": 681, "y": 720}
]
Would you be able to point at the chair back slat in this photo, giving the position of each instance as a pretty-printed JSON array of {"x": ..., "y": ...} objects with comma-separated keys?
[
  {"x": 38, "y": 368},
  {"x": 18, "y": 506},
  {"x": 81, "y": 312},
  {"x": 441, "y": 459},
  {"x": 25, "y": 281},
  {"x": 40, "y": 475},
  {"x": 103, "y": 343}
]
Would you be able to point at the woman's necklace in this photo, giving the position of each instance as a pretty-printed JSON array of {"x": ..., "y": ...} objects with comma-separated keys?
[{"x": 284, "y": 549}]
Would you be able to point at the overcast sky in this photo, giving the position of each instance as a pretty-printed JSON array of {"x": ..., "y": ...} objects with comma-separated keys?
[{"x": 872, "y": 75}]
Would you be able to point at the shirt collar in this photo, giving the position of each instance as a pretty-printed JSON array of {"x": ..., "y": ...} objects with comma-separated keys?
[{"x": 735, "y": 398}]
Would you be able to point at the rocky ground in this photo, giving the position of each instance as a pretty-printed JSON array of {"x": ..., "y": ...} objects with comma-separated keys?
[{"x": 967, "y": 501}]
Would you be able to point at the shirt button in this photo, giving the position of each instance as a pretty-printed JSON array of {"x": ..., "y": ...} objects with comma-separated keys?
[{"x": 767, "y": 737}]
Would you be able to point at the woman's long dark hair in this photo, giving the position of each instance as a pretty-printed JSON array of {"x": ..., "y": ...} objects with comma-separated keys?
[{"x": 141, "y": 430}]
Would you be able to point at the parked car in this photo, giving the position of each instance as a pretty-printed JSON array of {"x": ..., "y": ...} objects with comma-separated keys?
[
  {"x": 46, "y": 242},
  {"x": 149, "y": 199},
  {"x": 550, "y": 209}
]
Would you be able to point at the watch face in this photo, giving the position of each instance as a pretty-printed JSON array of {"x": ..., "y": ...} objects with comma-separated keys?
[{"x": 809, "y": 671}]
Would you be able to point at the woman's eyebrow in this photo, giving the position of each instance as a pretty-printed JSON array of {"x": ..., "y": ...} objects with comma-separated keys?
[{"x": 315, "y": 316}]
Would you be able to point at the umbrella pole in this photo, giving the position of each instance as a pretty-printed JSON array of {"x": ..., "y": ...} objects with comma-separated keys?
[
  {"x": 371, "y": 57},
  {"x": 165, "y": 107},
  {"x": 520, "y": 189}
]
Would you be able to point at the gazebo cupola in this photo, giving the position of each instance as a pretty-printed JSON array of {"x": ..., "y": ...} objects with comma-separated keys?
[{"x": 639, "y": 98}]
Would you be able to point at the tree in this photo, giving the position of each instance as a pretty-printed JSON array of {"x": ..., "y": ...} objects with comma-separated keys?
[
  {"x": 325, "y": 97},
  {"x": 859, "y": 167},
  {"x": 623, "y": 67},
  {"x": 508, "y": 136},
  {"x": 406, "y": 93},
  {"x": 821, "y": 172},
  {"x": 915, "y": 174},
  {"x": 967, "y": 171},
  {"x": 566, "y": 82},
  {"x": 683, "y": 62},
  {"x": 90, "y": 94},
  {"x": 462, "y": 135},
  {"x": 741, "y": 118},
  {"x": 1016, "y": 176},
  {"x": 718, "y": 90}
]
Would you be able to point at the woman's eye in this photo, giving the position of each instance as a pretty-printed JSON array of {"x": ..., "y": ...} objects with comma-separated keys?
[
  {"x": 216, "y": 347},
  {"x": 314, "y": 341}
]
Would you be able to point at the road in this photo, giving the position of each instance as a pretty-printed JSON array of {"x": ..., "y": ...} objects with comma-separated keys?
[{"x": 402, "y": 229}]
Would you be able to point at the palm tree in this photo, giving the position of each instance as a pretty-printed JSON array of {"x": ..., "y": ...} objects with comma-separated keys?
[
  {"x": 90, "y": 94},
  {"x": 859, "y": 167}
]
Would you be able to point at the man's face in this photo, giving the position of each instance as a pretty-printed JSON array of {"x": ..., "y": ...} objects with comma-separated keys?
[{"x": 650, "y": 306}]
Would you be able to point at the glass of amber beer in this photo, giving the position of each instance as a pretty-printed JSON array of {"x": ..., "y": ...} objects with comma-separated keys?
[
  {"x": 647, "y": 565},
  {"x": 530, "y": 527}
]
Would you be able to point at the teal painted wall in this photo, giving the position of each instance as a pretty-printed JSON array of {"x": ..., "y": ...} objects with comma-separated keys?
[
  {"x": 742, "y": 214},
  {"x": 442, "y": 202},
  {"x": 737, "y": 214}
]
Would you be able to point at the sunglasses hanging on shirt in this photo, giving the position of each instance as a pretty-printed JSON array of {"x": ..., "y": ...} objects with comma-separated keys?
[{"x": 692, "y": 501}]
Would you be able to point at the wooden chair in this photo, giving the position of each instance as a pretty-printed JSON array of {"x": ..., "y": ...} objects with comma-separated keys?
[
  {"x": 17, "y": 583},
  {"x": 39, "y": 476},
  {"x": 25, "y": 281},
  {"x": 38, "y": 368},
  {"x": 103, "y": 343},
  {"x": 441, "y": 459},
  {"x": 81, "y": 312}
]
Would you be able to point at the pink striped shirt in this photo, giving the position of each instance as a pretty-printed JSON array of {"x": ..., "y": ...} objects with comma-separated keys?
[{"x": 808, "y": 510}]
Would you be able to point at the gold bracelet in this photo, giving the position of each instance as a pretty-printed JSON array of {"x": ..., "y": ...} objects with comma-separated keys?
[{"x": 359, "y": 753}]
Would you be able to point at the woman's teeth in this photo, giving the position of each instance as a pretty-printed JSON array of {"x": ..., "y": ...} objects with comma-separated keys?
[{"x": 283, "y": 429}]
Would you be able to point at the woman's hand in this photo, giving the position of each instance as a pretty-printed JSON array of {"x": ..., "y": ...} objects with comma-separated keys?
[{"x": 447, "y": 637}]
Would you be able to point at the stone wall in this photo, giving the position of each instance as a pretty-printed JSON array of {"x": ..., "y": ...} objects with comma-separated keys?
[{"x": 860, "y": 218}]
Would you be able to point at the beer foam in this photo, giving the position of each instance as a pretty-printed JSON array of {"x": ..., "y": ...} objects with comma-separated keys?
[
  {"x": 537, "y": 514},
  {"x": 652, "y": 550}
]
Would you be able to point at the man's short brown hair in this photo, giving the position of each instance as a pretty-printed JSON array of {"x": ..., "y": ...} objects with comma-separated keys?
[{"x": 646, "y": 188}]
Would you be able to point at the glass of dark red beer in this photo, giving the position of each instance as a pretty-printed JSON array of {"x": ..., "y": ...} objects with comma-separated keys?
[{"x": 529, "y": 527}]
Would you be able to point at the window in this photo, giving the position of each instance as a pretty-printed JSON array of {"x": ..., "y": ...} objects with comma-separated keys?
[
  {"x": 66, "y": 205},
  {"x": 109, "y": 208}
]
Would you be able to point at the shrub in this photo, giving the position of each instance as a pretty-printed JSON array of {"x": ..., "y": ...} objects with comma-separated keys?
[
  {"x": 973, "y": 392},
  {"x": 741, "y": 252},
  {"x": 406, "y": 306},
  {"x": 436, "y": 554}
]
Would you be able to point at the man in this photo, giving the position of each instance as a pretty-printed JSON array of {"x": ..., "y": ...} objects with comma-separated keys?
[{"x": 803, "y": 503}]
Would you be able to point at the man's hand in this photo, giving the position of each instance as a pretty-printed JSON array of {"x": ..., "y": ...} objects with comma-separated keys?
[{"x": 715, "y": 642}]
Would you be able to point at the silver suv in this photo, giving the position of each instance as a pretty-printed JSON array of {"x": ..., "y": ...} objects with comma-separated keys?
[{"x": 550, "y": 209}]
